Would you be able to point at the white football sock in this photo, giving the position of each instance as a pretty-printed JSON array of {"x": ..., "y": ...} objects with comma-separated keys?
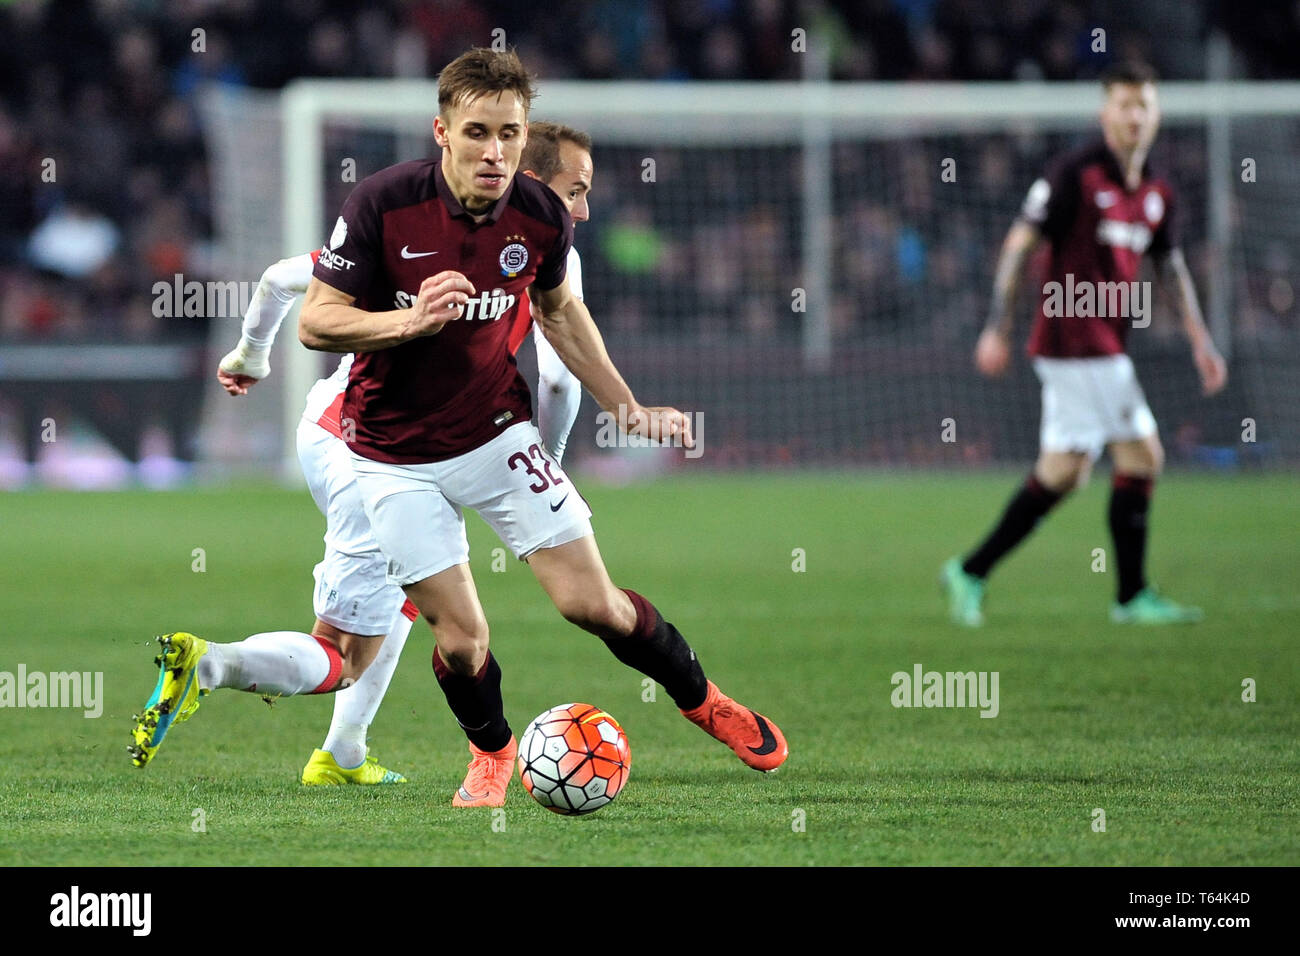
[
  {"x": 559, "y": 395},
  {"x": 274, "y": 662},
  {"x": 355, "y": 707}
]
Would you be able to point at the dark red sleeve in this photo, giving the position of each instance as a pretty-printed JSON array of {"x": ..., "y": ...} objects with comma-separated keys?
[
  {"x": 353, "y": 254},
  {"x": 1053, "y": 199},
  {"x": 555, "y": 264},
  {"x": 1168, "y": 236}
]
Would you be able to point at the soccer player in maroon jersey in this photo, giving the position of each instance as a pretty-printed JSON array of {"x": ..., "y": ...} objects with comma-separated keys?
[
  {"x": 354, "y": 602},
  {"x": 424, "y": 261},
  {"x": 1101, "y": 208}
]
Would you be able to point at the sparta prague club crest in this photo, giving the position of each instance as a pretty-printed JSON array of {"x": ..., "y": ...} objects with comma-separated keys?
[{"x": 514, "y": 257}]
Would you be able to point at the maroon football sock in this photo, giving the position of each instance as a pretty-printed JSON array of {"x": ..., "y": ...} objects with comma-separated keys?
[
  {"x": 1130, "y": 501},
  {"x": 658, "y": 650},
  {"x": 476, "y": 702},
  {"x": 1031, "y": 502}
]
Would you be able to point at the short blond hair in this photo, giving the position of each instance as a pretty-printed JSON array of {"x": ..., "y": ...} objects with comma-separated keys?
[{"x": 481, "y": 70}]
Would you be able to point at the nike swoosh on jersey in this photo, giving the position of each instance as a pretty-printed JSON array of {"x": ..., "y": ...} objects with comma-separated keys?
[
  {"x": 768, "y": 743},
  {"x": 559, "y": 504},
  {"x": 408, "y": 254}
]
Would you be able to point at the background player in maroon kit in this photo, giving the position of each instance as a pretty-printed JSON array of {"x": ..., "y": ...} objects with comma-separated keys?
[
  {"x": 421, "y": 268},
  {"x": 1101, "y": 209}
]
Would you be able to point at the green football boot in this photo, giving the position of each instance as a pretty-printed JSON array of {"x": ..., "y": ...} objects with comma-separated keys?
[
  {"x": 965, "y": 594},
  {"x": 1148, "y": 607}
]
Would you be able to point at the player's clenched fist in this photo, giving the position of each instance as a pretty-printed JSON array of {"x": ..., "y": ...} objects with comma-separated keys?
[
  {"x": 442, "y": 299},
  {"x": 992, "y": 353},
  {"x": 243, "y": 367},
  {"x": 235, "y": 384},
  {"x": 667, "y": 426}
]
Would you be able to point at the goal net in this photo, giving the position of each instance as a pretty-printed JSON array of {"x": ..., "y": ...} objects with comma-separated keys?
[{"x": 807, "y": 266}]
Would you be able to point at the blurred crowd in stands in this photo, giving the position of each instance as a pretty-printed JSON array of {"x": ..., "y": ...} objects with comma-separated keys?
[{"x": 104, "y": 186}]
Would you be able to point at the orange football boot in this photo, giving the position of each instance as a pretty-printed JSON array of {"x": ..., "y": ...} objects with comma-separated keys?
[
  {"x": 489, "y": 775},
  {"x": 757, "y": 741}
]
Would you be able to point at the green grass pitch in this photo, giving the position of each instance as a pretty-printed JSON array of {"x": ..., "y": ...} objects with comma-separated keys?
[{"x": 1148, "y": 725}]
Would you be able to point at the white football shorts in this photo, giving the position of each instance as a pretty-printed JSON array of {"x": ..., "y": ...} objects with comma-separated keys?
[
  {"x": 1090, "y": 402},
  {"x": 417, "y": 513},
  {"x": 352, "y": 588}
]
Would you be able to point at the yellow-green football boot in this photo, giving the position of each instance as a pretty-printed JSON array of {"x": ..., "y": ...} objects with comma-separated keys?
[
  {"x": 323, "y": 770},
  {"x": 175, "y": 697}
]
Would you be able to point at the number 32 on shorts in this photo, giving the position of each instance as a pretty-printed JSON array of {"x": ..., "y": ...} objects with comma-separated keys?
[{"x": 542, "y": 479}]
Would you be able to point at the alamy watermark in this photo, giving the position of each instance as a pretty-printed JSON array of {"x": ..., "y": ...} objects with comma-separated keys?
[
  {"x": 612, "y": 431},
  {"x": 922, "y": 688},
  {"x": 75, "y": 908},
  {"x": 180, "y": 299},
  {"x": 1098, "y": 300},
  {"x": 83, "y": 689}
]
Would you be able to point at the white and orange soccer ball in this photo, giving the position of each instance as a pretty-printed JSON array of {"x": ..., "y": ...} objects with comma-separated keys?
[{"x": 574, "y": 759}]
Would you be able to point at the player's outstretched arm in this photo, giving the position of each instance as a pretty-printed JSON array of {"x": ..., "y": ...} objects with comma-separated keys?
[
  {"x": 572, "y": 332},
  {"x": 329, "y": 322},
  {"x": 993, "y": 351},
  {"x": 1209, "y": 363},
  {"x": 249, "y": 361}
]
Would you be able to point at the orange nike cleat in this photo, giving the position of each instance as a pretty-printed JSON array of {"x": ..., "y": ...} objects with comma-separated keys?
[
  {"x": 757, "y": 741},
  {"x": 489, "y": 775}
]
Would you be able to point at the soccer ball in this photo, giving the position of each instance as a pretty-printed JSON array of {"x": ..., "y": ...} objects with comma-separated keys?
[{"x": 574, "y": 759}]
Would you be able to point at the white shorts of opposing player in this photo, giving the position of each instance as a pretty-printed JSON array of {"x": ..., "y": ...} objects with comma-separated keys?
[
  {"x": 352, "y": 588},
  {"x": 1090, "y": 402},
  {"x": 517, "y": 488}
]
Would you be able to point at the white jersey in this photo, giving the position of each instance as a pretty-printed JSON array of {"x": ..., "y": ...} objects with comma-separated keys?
[
  {"x": 281, "y": 283},
  {"x": 574, "y": 271},
  {"x": 327, "y": 391}
]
